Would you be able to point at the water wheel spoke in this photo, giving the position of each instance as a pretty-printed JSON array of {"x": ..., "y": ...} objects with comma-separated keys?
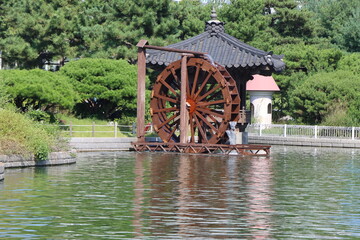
[
  {"x": 207, "y": 122},
  {"x": 209, "y": 92},
  {"x": 165, "y": 110},
  {"x": 202, "y": 85},
  {"x": 167, "y": 98},
  {"x": 187, "y": 86},
  {"x": 215, "y": 95},
  {"x": 201, "y": 130},
  {"x": 170, "y": 88},
  {"x": 192, "y": 128},
  {"x": 195, "y": 80},
  {"x": 176, "y": 122},
  {"x": 168, "y": 120},
  {"x": 171, "y": 134},
  {"x": 175, "y": 76},
  {"x": 202, "y": 104},
  {"x": 214, "y": 120},
  {"x": 210, "y": 112}
]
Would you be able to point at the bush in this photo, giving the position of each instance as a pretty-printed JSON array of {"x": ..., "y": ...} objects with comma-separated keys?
[
  {"x": 20, "y": 135},
  {"x": 37, "y": 89},
  {"x": 107, "y": 88},
  {"x": 324, "y": 97}
]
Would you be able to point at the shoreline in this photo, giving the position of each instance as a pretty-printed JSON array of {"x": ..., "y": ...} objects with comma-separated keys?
[
  {"x": 16, "y": 161},
  {"x": 124, "y": 144}
]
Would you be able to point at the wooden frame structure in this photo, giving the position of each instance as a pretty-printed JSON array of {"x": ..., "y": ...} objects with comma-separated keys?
[{"x": 182, "y": 146}]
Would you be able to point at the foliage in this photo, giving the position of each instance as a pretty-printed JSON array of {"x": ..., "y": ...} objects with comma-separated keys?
[
  {"x": 312, "y": 34},
  {"x": 107, "y": 88},
  {"x": 32, "y": 29},
  {"x": 301, "y": 60},
  {"x": 323, "y": 94},
  {"x": 41, "y": 116},
  {"x": 244, "y": 18},
  {"x": 20, "y": 135},
  {"x": 350, "y": 62},
  {"x": 191, "y": 16},
  {"x": 339, "y": 21},
  {"x": 289, "y": 20},
  {"x": 37, "y": 89}
]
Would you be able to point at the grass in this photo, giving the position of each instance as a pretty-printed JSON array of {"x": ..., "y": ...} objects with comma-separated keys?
[{"x": 87, "y": 127}]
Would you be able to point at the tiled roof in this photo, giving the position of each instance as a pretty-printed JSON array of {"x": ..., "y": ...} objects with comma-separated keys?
[{"x": 223, "y": 48}]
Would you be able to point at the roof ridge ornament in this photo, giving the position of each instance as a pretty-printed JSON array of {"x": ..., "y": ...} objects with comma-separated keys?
[
  {"x": 214, "y": 26},
  {"x": 213, "y": 14}
]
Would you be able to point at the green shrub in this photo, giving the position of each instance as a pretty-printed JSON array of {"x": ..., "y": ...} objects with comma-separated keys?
[
  {"x": 38, "y": 115},
  {"x": 21, "y": 135}
]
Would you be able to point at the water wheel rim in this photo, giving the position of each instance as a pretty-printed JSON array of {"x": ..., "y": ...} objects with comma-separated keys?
[{"x": 210, "y": 102}]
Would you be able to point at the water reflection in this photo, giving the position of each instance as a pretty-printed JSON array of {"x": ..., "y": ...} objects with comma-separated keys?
[
  {"x": 202, "y": 196},
  {"x": 297, "y": 193}
]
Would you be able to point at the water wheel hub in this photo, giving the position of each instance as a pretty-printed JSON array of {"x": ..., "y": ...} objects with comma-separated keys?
[{"x": 191, "y": 105}]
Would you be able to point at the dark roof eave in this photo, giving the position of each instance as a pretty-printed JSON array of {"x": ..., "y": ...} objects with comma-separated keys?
[{"x": 249, "y": 57}]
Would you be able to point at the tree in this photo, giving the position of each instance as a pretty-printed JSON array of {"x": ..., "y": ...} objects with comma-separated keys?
[
  {"x": 32, "y": 28},
  {"x": 323, "y": 93},
  {"x": 350, "y": 62},
  {"x": 351, "y": 31},
  {"x": 192, "y": 16},
  {"x": 288, "y": 19},
  {"x": 244, "y": 19},
  {"x": 107, "y": 88},
  {"x": 338, "y": 20},
  {"x": 301, "y": 61},
  {"x": 37, "y": 89}
]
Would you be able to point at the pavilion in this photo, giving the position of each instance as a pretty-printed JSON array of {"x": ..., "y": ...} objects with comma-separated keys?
[{"x": 240, "y": 59}]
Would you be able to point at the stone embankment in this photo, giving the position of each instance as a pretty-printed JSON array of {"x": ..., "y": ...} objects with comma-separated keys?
[
  {"x": 301, "y": 141},
  {"x": 124, "y": 144},
  {"x": 2, "y": 170},
  {"x": 101, "y": 144},
  {"x": 15, "y": 161}
]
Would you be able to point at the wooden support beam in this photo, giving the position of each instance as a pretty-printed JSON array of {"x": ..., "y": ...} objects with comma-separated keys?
[
  {"x": 140, "y": 130},
  {"x": 183, "y": 111},
  {"x": 174, "y": 50}
]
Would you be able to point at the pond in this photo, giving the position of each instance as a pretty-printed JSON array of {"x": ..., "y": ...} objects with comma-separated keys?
[{"x": 296, "y": 193}]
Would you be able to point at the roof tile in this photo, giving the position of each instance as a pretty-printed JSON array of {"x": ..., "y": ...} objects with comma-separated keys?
[{"x": 226, "y": 50}]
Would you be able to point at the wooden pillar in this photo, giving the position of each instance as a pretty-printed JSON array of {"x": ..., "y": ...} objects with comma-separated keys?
[
  {"x": 183, "y": 110},
  {"x": 140, "y": 126}
]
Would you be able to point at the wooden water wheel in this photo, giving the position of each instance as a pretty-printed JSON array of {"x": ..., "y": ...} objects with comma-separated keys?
[{"x": 212, "y": 101}]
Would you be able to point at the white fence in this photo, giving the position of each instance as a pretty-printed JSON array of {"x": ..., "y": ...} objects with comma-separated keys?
[
  {"x": 116, "y": 130},
  {"x": 112, "y": 129},
  {"x": 303, "y": 131}
]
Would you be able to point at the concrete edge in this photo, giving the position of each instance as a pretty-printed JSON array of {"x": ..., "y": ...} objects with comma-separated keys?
[
  {"x": 16, "y": 161},
  {"x": 308, "y": 142},
  {"x": 2, "y": 170}
]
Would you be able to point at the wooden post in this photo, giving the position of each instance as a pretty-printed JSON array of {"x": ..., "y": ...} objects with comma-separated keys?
[
  {"x": 183, "y": 110},
  {"x": 71, "y": 130},
  {"x": 115, "y": 129},
  {"x": 140, "y": 130}
]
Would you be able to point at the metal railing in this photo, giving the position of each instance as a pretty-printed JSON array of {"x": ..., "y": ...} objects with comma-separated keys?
[
  {"x": 113, "y": 129},
  {"x": 285, "y": 130}
]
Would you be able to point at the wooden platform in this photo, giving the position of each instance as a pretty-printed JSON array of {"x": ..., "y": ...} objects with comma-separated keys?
[{"x": 201, "y": 148}]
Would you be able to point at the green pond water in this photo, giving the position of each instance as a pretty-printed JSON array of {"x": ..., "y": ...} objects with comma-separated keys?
[{"x": 296, "y": 193}]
